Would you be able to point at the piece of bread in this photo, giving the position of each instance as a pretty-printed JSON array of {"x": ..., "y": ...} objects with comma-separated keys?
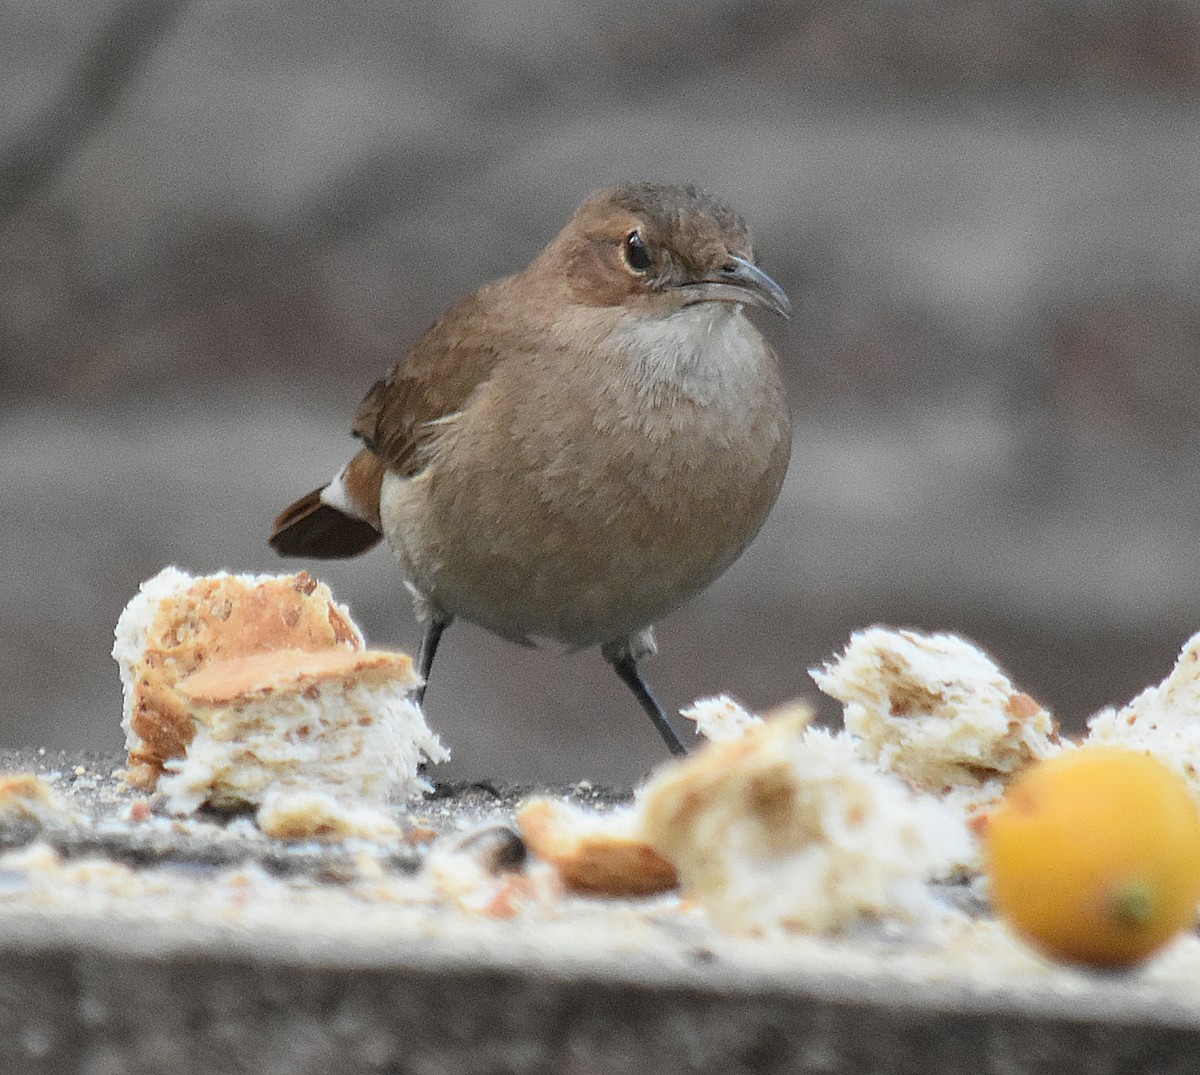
[
  {"x": 317, "y": 815},
  {"x": 1163, "y": 720},
  {"x": 787, "y": 829},
  {"x": 937, "y": 711},
  {"x": 594, "y": 854},
  {"x": 237, "y": 686},
  {"x": 177, "y": 623},
  {"x": 484, "y": 870},
  {"x": 28, "y": 798},
  {"x": 720, "y": 718}
]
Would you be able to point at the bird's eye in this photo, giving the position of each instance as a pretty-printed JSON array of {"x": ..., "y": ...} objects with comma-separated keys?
[{"x": 636, "y": 255}]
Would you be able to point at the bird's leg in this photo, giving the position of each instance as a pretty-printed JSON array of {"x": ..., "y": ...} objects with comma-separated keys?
[
  {"x": 429, "y": 644},
  {"x": 626, "y": 667}
]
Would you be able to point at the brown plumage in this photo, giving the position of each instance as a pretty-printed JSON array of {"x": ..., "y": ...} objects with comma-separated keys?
[
  {"x": 575, "y": 450},
  {"x": 337, "y": 527}
]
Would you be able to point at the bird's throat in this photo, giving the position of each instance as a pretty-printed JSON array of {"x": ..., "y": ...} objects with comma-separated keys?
[{"x": 702, "y": 353}]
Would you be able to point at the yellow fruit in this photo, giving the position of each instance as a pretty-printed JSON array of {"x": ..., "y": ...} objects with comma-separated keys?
[{"x": 1094, "y": 856}]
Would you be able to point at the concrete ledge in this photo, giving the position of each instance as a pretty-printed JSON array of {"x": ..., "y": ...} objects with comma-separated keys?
[
  {"x": 191, "y": 1001},
  {"x": 113, "y": 969}
]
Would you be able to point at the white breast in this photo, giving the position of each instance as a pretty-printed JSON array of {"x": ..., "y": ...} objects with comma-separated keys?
[{"x": 707, "y": 352}]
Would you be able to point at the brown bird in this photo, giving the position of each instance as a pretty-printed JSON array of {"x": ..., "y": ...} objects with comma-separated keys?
[{"x": 576, "y": 450}]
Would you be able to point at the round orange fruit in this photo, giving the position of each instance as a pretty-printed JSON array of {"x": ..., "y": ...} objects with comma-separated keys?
[{"x": 1094, "y": 855}]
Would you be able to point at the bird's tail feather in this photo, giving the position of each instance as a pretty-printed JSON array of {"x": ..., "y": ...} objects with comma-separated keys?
[{"x": 310, "y": 527}]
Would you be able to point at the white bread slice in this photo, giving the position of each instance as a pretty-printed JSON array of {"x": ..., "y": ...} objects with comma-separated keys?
[{"x": 242, "y": 686}]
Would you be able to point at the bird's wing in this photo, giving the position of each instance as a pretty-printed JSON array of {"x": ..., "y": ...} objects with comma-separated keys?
[{"x": 397, "y": 420}]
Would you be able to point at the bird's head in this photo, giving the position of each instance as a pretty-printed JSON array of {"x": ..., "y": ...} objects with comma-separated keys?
[{"x": 660, "y": 249}]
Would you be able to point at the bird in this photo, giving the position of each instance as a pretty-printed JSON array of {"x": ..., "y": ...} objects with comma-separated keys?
[{"x": 575, "y": 450}]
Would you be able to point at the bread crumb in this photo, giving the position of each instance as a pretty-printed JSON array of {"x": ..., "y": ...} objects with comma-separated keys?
[
  {"x": 789, "y": 829},
  {"x": 26, "y": 797},
  {"x": 1163, "y": 720},
  {"x": 315, "y": 815},
  {"x": 594, "y": 854},
  {"x": 721, "y": 718},
  {"x": 463, "y": 871},
  {"x": 937, "y": 711},
  {"x": 138, "y": 811},
  {"x": 35, "y": 859}
]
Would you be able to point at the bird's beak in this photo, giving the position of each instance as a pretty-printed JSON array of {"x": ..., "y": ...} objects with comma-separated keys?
[{"x": 739, "y": 281}]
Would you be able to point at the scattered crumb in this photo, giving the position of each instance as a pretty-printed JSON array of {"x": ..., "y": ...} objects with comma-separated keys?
[
  {"x": 465, "y": 871},
  {"x": 34, "y": 858},
  {"x": 139, "y": 811},
  {"x": 720, "y": 719},
  {"x": 600, "y": 855},
  {"x": 28, "y": 797},
  {"x": 314, "y": 815}
]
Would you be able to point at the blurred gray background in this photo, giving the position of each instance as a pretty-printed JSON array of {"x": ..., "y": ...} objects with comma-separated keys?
[{"x": 220, "y": 221}]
